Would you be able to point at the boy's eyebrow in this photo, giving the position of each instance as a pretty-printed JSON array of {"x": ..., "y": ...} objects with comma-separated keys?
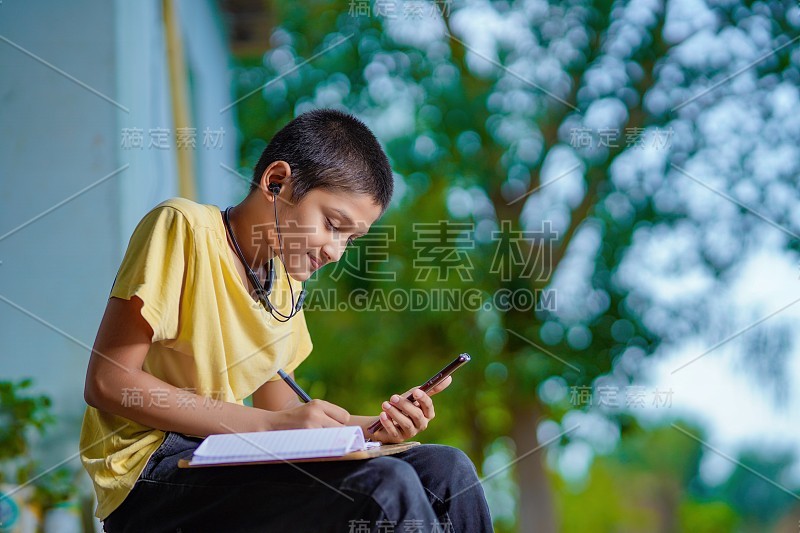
[
  {"x": 344, "y": 216},
  {"x": 347, "y": 220}
]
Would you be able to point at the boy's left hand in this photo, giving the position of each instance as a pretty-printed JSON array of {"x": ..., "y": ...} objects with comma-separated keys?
[{"x": 402, "y": 419}]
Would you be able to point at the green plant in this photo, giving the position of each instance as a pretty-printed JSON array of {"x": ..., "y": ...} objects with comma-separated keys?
[
  {"x": 20, "y": 413},
  {"x": 54, "y": 488}
]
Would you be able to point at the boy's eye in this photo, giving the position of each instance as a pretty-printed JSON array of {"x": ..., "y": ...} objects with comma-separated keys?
[{"x": 330, "y": 225}]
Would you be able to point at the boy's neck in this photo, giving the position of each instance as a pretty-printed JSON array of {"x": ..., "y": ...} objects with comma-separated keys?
[{"x": 251, "y": 232}]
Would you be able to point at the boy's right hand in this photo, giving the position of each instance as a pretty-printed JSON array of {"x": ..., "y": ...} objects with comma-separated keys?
[{"x": 314, "y": 414}]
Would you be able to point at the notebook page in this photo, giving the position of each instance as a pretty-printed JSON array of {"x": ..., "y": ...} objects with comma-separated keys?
[{"x": 276, "y": 445}]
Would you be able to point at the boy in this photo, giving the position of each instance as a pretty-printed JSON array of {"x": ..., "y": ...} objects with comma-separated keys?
[{"x": 184, "y": 340}]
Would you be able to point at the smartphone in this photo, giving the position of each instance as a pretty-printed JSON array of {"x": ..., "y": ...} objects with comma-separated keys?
[
  {"x": 437, "y": 378},
  {"x": 457, "y": 363}
]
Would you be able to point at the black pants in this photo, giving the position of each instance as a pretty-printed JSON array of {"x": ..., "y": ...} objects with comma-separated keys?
[{"x": 425, "y": 489}]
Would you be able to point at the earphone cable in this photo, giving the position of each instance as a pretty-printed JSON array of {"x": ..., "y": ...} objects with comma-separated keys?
[{"x": 263, "y": 293}]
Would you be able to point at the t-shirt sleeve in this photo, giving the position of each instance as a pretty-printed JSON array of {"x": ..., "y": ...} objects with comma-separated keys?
[
  {"x": 155, "y": 268},
  {"x": 303, "y": 346}
]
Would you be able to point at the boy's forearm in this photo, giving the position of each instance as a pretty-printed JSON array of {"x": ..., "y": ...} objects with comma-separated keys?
[
  {"x": 355, "y": 420},
  {"x": 143, "y": 398},
  {"x": 363, "y": 421}
]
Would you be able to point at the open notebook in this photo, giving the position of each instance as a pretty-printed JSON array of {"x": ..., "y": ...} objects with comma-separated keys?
[{"x": 280, "y": 445}]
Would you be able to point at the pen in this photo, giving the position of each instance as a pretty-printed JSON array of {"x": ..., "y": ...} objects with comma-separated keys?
[{"x": 295, "y": 387}]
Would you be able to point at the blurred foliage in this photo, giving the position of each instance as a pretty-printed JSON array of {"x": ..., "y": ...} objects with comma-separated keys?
[
  {"x": 56, "y": 487},
  {"x": 760, "y": 502},
  {"x": 23, "y": 416},
  {"x": 652, "y": 482},
  {"x": 645, "y": 485},
  {"x": 468, "y": 137},
  {"x": 20, "y": 415}
]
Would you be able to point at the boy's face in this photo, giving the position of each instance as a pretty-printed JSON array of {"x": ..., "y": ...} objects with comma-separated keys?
[{"x": 316, "y": 230}]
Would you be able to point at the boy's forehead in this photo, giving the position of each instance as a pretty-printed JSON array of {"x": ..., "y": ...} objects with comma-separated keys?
[{"x": 361, "y": 209}]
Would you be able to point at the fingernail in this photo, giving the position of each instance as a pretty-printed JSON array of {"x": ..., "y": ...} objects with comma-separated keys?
[
  {"x": 417, "y": 393},
  {"x": 387, "y": 405},
  {"x": 395, "y": 398}
]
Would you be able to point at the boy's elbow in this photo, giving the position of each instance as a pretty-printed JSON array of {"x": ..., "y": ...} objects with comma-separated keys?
[
  {"x": 90, "y": 394},
  {"x": 94, "y": 393}
]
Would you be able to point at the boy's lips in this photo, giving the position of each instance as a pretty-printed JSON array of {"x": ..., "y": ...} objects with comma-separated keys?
[{"x": 315, "y": 263}]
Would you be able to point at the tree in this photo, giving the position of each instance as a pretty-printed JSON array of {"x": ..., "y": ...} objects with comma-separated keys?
[{"x": 567, "y": 137}]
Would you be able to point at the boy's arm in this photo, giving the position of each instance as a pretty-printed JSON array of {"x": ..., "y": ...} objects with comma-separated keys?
[
  {"x": 115, "y": 371},
  {"x": 363, "y": 421},
  {"x": 276, "y": 396}
]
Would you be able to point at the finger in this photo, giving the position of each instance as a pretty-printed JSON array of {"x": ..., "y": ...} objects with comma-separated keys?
[
  {"x": 372, "y": 424},
  {"x": 334, "y": 411},
  {"x": 389, "y": 426},
  {"x": 382, "y": 434},
  {"x": 441, "y": 386},
  {"x": 412, "y": 410},
  {"x": 406, "y": 424},
  {"x": 407, "y": 393},
  {"x": 425, "y": 403}
]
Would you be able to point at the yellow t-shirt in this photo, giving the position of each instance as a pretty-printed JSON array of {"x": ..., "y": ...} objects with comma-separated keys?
[{"x": 210, "y": 336}]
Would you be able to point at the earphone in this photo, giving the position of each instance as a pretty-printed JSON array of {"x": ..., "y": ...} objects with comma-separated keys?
[{"x": 264, "y": 292}]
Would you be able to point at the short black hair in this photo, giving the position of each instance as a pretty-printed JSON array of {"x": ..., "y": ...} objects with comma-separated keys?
[{"x": 329, "y": 149}]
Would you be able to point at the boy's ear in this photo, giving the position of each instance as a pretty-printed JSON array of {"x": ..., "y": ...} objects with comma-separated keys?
[{"x": 277, "y": 172}]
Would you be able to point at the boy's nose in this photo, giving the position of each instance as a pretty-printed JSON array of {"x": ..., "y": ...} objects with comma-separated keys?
[{"x": 332, "y": 252}]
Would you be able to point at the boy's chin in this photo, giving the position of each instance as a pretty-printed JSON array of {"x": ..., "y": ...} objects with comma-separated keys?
[{"x": 300, "y": 274}]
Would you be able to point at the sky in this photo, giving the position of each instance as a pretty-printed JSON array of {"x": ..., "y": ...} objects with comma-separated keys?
[{"x": 720, "y": 390}]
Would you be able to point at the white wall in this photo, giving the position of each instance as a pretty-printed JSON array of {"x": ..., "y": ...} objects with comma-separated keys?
[
  {"x": 60, "y": 137},
  {"x": 143, "y": 84},
  {"x": 207, "y": 56},
  {"x": 101, "y": 67}
]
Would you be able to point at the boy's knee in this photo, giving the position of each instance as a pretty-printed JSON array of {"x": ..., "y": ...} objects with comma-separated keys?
[
  {"x": 450, "y": 461},
  {"x": 394, "y": 490},
  {"x": 391, "y": 472}
]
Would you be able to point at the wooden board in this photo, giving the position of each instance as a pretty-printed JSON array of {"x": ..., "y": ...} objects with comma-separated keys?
[{"x": 386, "y": 449}]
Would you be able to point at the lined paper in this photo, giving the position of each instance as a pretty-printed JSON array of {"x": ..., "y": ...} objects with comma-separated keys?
[{"x": 281, "y": 445}]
